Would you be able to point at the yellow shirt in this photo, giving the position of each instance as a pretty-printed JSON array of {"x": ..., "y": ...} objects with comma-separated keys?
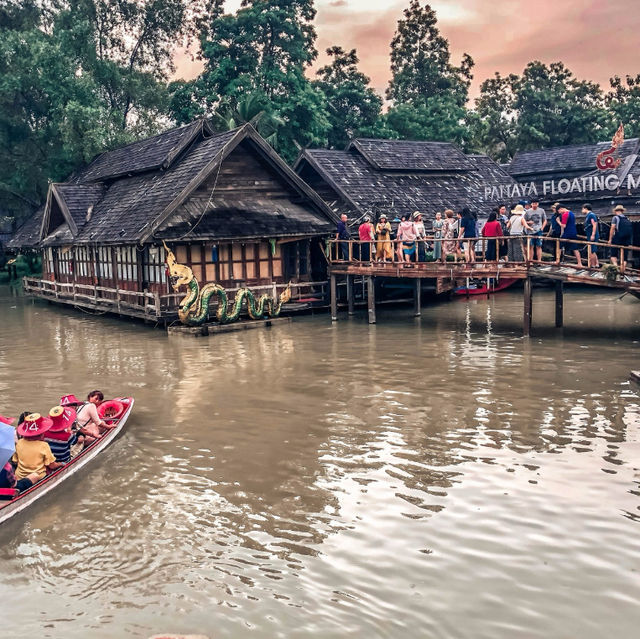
[{"x": 32, "y": 456}]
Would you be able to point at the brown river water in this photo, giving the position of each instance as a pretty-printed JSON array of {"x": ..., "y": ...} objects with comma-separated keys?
[{"x": 438, "y": 477}]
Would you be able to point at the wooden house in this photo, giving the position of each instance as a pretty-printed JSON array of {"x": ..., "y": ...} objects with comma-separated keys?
[
  {"x": 399, "y": 177},
  {"x": 226, "y": 204}
]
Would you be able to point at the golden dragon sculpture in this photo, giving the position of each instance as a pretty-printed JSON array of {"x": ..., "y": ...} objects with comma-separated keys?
[{"x": 194, "y": 307}]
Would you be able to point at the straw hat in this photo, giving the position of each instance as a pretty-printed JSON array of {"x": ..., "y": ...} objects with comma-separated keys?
[
  {"x": 383, "y": 217},
  {"x": 34, "y": 425},
  {"x": 518, "y": 210},
  {"x": 620, "y": 208},
  {"x": 70, "y": 400},
  {"x": 416, "y": 215},
  {"x": 62, "y": 418}
]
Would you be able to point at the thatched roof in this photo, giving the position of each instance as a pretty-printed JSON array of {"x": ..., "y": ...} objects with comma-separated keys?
[
  {"x": 126, "y": 196},
  {"x": 423, "y": 176},
  {"x": 578, "y": 158}
]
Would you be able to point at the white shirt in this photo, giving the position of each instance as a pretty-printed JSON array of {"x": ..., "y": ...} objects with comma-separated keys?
[{"x": 87, "y": 414}]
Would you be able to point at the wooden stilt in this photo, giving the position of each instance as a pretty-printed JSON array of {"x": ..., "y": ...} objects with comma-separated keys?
[
  {"x": 417, "y": 298},
  {"x": 528, "y": 299},
  {"x": 334, "y": 299},
  {"x": 350, "y": 300},
  {"x": 559, "y": 304},
  {"x": 371, "y": 297}
]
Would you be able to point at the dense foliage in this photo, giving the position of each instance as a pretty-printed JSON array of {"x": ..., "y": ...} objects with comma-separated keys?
[{"x": 81, "y": 76}]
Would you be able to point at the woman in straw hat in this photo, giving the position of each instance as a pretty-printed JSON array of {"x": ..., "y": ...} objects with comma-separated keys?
[{"x": 33, "y": 455}]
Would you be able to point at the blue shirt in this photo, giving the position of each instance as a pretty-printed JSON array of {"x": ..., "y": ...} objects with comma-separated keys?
[
  {"x": 570, "y": 230},
  {"x": 468, "y": 225},
  {"x": 343, "y": 231},
  {"x": 588, "y": 226}
]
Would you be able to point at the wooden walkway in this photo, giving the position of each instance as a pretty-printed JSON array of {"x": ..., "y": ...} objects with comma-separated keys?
[{"x": 460, "y": 273}]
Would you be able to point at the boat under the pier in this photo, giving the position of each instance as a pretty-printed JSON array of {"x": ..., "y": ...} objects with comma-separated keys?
[
  {"x": 483, "y": 289},
  {"x": 13, "y": 502}
]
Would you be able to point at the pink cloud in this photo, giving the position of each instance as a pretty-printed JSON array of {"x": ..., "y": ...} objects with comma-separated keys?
[{"x": 594, "y": 39}]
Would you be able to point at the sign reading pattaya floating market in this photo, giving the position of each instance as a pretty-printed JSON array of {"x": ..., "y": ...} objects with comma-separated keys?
[
  {"x": 564, "y": 186},
  {"x": 605, "y": 161}
]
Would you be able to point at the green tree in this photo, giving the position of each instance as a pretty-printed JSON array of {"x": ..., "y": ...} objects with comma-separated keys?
[
  {"x": 421, "y": 61},
  {"x": 51, "y": 117},
  {"x": 78, "y": 77},
  {"x": 249, "y": 110},
  {"x": 353, "y": 107},
  {"x": 623, "y": 100},
  {"x": 264, "y": 50},
  {"x": 545, "y": 106},
  {"x": 494, "y": 122},
  {"x": 440, "y": 119}
]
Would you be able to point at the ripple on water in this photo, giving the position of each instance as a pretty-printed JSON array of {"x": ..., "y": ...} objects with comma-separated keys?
[{"x": 440, "y": 478}]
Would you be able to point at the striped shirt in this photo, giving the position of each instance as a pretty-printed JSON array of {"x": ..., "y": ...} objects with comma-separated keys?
[{"x": 60, "y": 444}]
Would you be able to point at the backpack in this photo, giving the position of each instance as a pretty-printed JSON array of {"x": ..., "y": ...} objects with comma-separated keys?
[{"x": 624, "y": 229}]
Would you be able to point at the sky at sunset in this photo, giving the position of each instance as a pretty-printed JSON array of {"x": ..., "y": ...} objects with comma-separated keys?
[{"x": 594, "y": 38}]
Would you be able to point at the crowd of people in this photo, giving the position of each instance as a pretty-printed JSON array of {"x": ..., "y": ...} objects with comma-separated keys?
[
  {"x": 458, "y": 235},
  {"x": 45, "y": 443}
]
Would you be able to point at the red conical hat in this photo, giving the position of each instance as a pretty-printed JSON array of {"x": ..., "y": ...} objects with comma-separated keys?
[
  {"x": 34, "y": 425},
  {"x": 70, "y": 400},
  {"x": 7, "y": 420},
  {"x": 62, "y": 418}
]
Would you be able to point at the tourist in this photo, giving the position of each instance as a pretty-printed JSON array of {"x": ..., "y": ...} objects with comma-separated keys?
[
  {"x": 503, "y": 218},
  {"x": 366, "y": 235},
  {"x": 421, "y": 236},
  {"x": 516, "y": 228},
  {"x": 7, "y": 474},
  {"x": 449, "y": 233},
  {"x": 342, "y": 233},
  {"x": 621, "y": 233},
  {"x": 60, "y": 436},
  {"x": 88, "y": 420},
  {"x": 33, "y": 457},
  {"x": 384, "y": 250},
  {"x": 535, "y": 221},
  {"x": 468, "y": 232},
  {"x": 437, "y": 235},
  {"x": 407, "y": 235},
  {"x": 592, "y": 231},
  {"x": 492, "y": 229},
  {"x": 567, "y": 221}
]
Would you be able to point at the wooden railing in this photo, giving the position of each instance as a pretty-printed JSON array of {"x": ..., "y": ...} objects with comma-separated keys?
[
  {"x": 145, "y": 304},
  {"x": 557, "y": 250}
]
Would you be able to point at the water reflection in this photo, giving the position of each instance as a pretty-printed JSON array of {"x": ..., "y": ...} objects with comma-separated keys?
[{"x": 433, "y": 477}]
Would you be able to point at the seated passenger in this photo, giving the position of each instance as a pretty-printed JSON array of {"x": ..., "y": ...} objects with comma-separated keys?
[
  {"x": 33, "y": 456},
  {"x": 88, "y": 420},
  {"x": 60, "y": 436},
  {"x": 7, "y": 476}
]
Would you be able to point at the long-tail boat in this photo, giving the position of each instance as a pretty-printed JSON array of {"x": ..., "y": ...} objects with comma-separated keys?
[{"x": 13, "y": 502}]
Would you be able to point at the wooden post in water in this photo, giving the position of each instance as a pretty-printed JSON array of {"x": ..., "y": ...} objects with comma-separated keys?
[
  {"x": 559, "y": 304},
  {"x": 417, "y": 298},
  {"x": 334, "y": 299},
  {"x": 350, "y": 294},
  {"x": 528, "y": 299},
  {"x": 371, "y": 298}
]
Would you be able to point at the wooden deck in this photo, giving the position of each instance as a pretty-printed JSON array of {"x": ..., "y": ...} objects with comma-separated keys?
[
  {"x": 153, "y": 307},
  {"x": 459, "y": 273}
]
